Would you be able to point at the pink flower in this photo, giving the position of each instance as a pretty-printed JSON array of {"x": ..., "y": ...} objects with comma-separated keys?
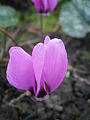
[
  {"x": 40, "y": 73},
  {"x": 45, "y": 6}
]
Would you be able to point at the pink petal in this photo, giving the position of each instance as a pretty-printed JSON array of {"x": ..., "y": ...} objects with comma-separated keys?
[
  {"x": 20, "y": 72},
  {"x": 55, "y": 63},
  {"x": 52, "y": 4},
  {"x": 38, "y": 62},
  {"x": 37, "y": 5},
  {"x": 47, "y": 39},
  {"x": 45, "y": 5}
]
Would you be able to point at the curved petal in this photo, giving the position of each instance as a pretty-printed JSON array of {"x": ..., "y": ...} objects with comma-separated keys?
[
  {"x": 52, "y": 4},
  {"x": 47, "y": 39},
  {"x": 55, "y": 63},
  {"x": 38, "y": 62},
  {"x": 45, "y": 5},
  {"x": 20, "y": 72},
  {"x": 37, "y": 5}
]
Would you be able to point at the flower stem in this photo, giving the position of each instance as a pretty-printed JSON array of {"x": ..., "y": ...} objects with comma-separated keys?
[
  {"x": 4, "y": 49},
  {"x": 41, "y": 25},
  {"x": 8, "y": 35}
]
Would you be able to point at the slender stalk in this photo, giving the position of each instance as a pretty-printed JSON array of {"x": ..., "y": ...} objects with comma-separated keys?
[
  {"x": 8, "y": 35},
  {"x": 41, "y": 25},
  {"x": 4, "y": 48}
]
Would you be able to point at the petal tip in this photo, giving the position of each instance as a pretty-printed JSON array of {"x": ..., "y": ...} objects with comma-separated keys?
[
  {"x": 47, "y": 39},
  {"x": 12, "y": 49}
]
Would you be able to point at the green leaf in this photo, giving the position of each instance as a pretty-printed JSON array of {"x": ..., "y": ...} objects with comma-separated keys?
[
  {"x": 7, "y": 17},
  {"x": 68, "y": 74},
  {"x": 72, "y": 22},
  {"x": 9, "y": 22},
  {"x": 6, "y": 11},
  {"x": 84, "y": 7}
]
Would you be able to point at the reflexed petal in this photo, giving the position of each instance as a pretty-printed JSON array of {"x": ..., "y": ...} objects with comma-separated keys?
[
  {"x": 55, "y": 63},
  {"x": 20, "y": 72},
  {"x": 33, "y": 1},
  {"x": 52, "y": 4},
  {"x": 37, "y": 5},
  {"x": 47, "y": 39},
  {"x": 46, "y": 5},
  {"x": 38, "y": 62}
]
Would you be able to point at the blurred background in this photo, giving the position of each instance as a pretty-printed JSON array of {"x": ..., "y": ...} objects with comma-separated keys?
[{"x": 19, "y": 25}]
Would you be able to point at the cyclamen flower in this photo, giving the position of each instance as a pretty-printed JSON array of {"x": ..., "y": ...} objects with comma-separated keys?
[
  {"x": 45, "y": 6},
  {"x": 40, "y": 73}
]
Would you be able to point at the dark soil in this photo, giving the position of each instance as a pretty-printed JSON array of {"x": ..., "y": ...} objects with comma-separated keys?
[{"x": 71, "y": 101}]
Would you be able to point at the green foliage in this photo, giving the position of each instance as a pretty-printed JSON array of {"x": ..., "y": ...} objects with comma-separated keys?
[
  {"x": 68, "y": 74},
  {"x": 84, "y": 7},
  {"x": 74, "y": 16},
  {"x": 79, "y": 118},
  {"x": 7, "y": 17}
]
